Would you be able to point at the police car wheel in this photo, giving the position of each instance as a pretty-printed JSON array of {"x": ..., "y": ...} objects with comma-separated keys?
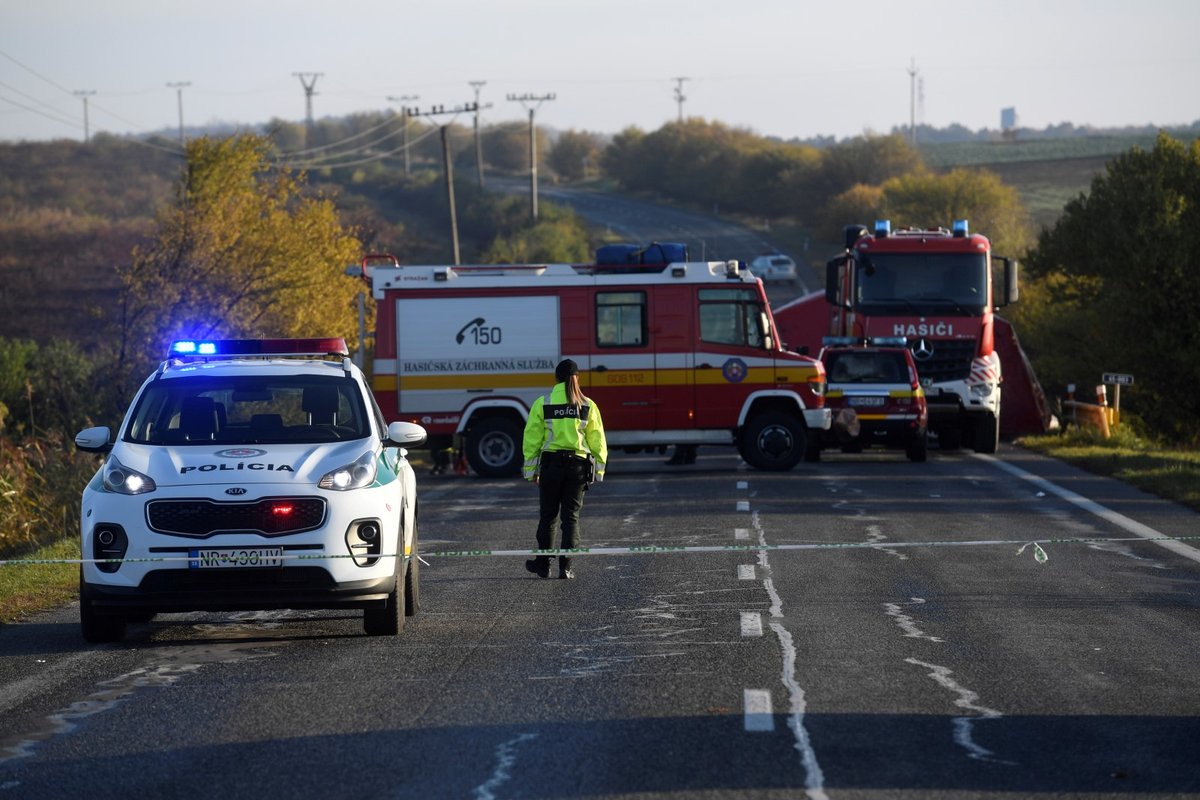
[
  {"x": 95, "y": 626},
  {"x": 412, "y": 578},
  {"x": 774, "y": 441},
  {"x": 388, "y": 620},
  {"x": 494, "y": 447}
]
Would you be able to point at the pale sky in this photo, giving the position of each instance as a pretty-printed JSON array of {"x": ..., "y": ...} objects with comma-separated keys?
[{"x": 787, "y": 68}]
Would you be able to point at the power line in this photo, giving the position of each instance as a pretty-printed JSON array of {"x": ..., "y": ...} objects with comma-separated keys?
[
  {"x": 309, "y": 81},
  {"x": 404, "y": 98},
  {"x": 679, "y": 95},
  {"x": 85, "y": 94},
  {"x": 179, "y": 87},
  {"x": 534, "y": 102}
]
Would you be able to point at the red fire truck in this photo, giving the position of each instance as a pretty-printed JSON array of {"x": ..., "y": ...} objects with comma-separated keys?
[
  {"x": 933, "y": 286},
  {"x": 679, "y": 353}
]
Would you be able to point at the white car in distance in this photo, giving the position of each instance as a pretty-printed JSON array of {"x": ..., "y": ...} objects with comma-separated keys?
[
  {"x": 774, "y": 268},
  {"x": 250, "y": 474}
]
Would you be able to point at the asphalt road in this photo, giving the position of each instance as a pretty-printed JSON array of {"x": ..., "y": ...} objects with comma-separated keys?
[{"x": 928, "y": 655}]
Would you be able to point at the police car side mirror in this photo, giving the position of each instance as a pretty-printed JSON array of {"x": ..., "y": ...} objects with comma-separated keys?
[
  {"x": 93, "y": 440},
  {"x": 406, "y": 434}
]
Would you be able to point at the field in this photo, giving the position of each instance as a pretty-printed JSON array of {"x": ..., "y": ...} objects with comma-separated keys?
[{"x": 1047, "y": 173}]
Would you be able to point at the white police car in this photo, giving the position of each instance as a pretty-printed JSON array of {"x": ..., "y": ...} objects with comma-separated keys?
[{"x": 250, "y": 474}]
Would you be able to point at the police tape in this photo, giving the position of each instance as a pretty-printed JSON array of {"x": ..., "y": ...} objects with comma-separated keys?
[{"x": 1039, "y": 552}]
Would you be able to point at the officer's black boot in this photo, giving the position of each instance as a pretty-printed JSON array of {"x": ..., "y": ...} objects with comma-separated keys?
[
  {"x": 540, "y": 566},
  {"x": 565, "y": 570}
]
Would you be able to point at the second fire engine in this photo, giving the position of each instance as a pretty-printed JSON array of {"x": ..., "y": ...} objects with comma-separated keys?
[{"x": 679, "y": 353}]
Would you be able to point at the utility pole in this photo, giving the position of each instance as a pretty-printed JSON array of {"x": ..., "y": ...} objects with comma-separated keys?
[
  {"x": 447, "y": 162},
  {"x": 538, "y": 99},
  {"x": 179, "y": 87},
  {"x": 477, "y": 85},
  {"x": 85, "y": 95},
  {"x": 679, "y": 96},
  {"x": 912, "y": 102},
  {"x": 404, "y": 98},
  {"x": 309, "y": 81}
]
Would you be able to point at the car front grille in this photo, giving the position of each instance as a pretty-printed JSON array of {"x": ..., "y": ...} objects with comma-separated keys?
[{"x": 271, "y": 516}]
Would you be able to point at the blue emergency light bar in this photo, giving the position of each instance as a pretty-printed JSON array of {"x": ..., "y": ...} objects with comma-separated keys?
[
  {"x": 883, "y": 227},
  {"x": 960, "y": 228},
  {"x": 889, "y": 341},
  {"x": 258, "y": 347}
]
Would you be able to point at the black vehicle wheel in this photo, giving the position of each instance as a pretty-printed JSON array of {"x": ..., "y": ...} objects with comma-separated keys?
[
  {"x": 987, "y": 434},
  {"x": 141, "y": 615},
  {"x": 494, "y": 447},
  {"x": 389, "y": 620},
  {"x": 97, "y": 627},
  {"x": 918, "y": 449},
  {"x": 774, "y": 441},
  {"x": 412, "y": 578}
]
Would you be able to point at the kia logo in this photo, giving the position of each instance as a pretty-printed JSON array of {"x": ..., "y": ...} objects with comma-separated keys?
[
  {"x": 235, "y": 490},
  {"x": 923, "y": 350}
]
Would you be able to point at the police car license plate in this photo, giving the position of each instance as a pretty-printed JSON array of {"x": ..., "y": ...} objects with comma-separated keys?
[
  {"x": 224, "y": 558},
  {"x": 866, "y": 401}
]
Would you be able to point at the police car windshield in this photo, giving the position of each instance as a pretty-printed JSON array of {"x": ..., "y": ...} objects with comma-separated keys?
[
  {"x": 865, "y": 366},
  {"x": 954, "y": 283},
  {"x": 249, "y": 409}
]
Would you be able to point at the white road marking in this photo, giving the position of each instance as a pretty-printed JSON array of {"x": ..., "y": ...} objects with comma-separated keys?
[
  {"x": 751, "y": 623},
  {"x": 757, "y": 710},
  {"x": 741, "y": 533},
  {"x": 963, "y": 734},
  {"x": 1120, "y": 520},
  {"x": 743, "y": 505},
  {"x": 906, "y": 622},
  {"x": 875, "y": 534},
  {"x": 505, "y": 757},
  {"x": 814, "y": 778},
  {"x": 743, "y": 484},
  {"x": 745, "y": 572}
]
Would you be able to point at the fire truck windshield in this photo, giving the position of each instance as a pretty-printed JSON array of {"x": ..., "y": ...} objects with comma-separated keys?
[{"x": 923, "y": 283}]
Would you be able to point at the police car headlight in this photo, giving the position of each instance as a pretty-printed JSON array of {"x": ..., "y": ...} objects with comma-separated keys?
[
  {"x": 355, "y": 475},
  {"x": 123, "y": 480}
]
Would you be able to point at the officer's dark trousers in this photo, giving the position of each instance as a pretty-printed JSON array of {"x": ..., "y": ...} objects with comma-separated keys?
[{"x": 561, "y": 484}]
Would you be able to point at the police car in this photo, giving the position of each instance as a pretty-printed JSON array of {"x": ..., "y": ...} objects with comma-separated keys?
[
  {"x": 874, "y": 395},
  {"x": 250, "y": 474}
]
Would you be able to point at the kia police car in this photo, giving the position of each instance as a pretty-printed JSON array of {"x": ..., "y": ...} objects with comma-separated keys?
[
  {"x": 874, "y": 395},
  {"x": 250, "y": 474}
]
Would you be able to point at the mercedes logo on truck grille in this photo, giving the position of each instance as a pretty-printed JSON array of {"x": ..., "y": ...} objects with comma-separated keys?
[{"x": 923, "y": 350}]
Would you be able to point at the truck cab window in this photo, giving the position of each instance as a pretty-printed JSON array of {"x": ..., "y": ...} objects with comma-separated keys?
[
  {"x": 620, "y": 319},
  {"x": 730, "y": 316}
]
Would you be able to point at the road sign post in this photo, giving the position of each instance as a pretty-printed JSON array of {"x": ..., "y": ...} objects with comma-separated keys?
[{"x": 1117, "y": 380}]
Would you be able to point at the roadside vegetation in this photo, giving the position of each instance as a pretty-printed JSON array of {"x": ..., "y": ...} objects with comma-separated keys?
[
  {"x": 1168, "y": 472},
  {"x": 114, "y": 249}
]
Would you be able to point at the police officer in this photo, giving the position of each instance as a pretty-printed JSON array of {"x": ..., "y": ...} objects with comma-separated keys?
[{"x": 564, "y": 451}]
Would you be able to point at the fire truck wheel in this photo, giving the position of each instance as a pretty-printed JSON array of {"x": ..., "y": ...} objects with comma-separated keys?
[
  {"x": 986, "y": 434},
  {"x": 494, "y": 447},
  {"x": 774, "y": 441}
]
